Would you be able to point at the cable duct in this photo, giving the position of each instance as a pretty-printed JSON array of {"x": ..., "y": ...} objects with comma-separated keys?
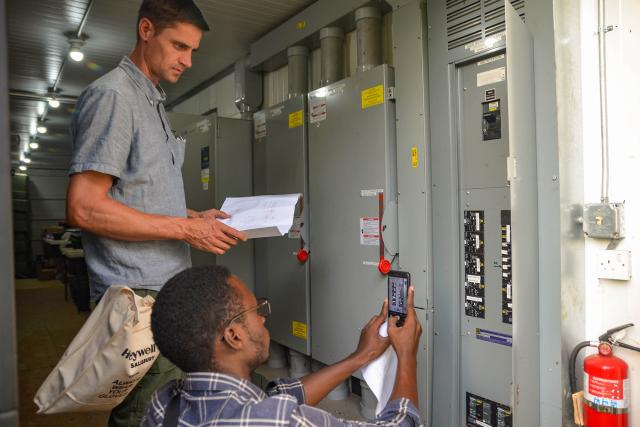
[
  {"x": 331, "y": 63},
  {"x": 297, "y": 69},
  {"x": 368, "y": 36}
]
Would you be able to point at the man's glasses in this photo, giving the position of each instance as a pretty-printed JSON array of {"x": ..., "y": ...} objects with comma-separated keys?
[{"x": 263, "y": 309}]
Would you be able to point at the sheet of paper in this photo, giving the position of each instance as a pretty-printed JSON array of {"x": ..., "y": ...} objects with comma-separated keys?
[
  {"x": 380, "y": 374},
  {"x": 261, "y": 216}
]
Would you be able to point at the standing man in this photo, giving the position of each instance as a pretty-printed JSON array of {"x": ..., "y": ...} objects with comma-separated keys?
[{"x": 125, "y": 190}]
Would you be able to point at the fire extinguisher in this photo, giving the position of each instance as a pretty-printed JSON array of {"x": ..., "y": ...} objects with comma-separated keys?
[{"x": 606, "y": 383}]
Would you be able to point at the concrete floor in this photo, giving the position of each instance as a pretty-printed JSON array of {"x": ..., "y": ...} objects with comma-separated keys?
[{"x": 46, "y": 324}]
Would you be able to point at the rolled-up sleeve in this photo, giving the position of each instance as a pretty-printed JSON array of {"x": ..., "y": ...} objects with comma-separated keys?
[{"x": 102, "y": 130}]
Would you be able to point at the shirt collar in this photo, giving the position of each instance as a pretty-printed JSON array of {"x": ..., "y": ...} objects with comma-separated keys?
[
  {"x": 214, "y": 381},
  {"x": 155, "y": 94}
]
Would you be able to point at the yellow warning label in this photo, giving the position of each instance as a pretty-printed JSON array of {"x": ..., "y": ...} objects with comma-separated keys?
[
  {"x": 299, "y": 329},
  {"x": 296, "y": 119},
  {"x": 494, "y": 106},
  {"x": 414, "y": 157},
  {"x": 372, "y": 96},
  {"x": 300, "y": 25}
]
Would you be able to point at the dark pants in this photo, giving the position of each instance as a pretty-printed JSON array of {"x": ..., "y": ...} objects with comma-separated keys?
[{"x": 131, "y": 411}]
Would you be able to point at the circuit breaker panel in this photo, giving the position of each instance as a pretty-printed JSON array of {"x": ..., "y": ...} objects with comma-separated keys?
[
  {"x": 217, "y": 165},
  {"x": 282, "y": 263},
  {"x": 352, "y": 188},
  {"x": 485, "y": 250}
]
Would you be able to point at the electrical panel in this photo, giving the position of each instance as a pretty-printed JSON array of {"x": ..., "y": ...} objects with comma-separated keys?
[
  {"x": 485, "y": 249},
  {"x": 353, "y": 190},
  {"x": 483, "y": 412},
  {"x": 217, "y": 165},
  {"x": 282, "y": 269},
  {"x": 505, "y": 252},
  {"x": 474, "y": 263}
]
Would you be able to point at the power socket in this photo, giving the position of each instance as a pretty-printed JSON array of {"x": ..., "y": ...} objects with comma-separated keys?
[{"x": 615, "y": 265}]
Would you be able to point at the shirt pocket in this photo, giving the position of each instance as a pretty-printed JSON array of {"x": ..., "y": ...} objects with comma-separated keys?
[{"x": 177, "y": 146}]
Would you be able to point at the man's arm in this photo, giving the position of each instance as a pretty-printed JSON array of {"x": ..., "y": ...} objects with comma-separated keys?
[
  {"x": 371, "y": 345},
  {"x": 90, "y": 208},
  {"x": 405, "y": 341}
]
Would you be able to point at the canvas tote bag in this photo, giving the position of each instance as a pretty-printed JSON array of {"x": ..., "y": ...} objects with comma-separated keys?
[{"x": 112, "y": 351}]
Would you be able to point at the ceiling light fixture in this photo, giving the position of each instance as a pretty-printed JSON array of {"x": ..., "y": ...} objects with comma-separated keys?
[
  {"x": 54, "y": 103},
  {"x": 22, "y": 168},
  {"x": 27, "y": 160},
  {"x": 74, "y": 52},
  {"x": 34, "y": 145},
  {"x": 41, "y": 128}
]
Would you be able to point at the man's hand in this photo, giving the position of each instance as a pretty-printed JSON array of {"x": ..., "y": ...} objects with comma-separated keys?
[
  {"x": 406, "y": 338},
  {"x": 211, "y": 214},
  {"x": 210, "y": 235},
  {"x": 318, "y": 384},
  {"x": 371, "y": 344}
]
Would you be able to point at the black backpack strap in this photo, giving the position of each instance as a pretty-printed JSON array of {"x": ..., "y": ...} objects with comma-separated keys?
[{"x": 172, "y": 413}]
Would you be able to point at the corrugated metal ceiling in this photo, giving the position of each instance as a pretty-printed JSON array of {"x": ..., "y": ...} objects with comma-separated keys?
[{"x": 38, "y": 45}]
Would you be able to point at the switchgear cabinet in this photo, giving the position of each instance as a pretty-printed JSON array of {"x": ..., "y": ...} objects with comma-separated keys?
[
  {"x": 280, "y": 167},
  {"x": 352, "y": 188},
  {"x": 217, "y": 165}
]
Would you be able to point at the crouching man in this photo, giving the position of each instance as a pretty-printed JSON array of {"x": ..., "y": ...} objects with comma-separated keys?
[{"x": 211, "y": 326}]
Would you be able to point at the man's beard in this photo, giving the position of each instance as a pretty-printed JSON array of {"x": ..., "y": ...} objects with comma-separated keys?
[{"x": 261, "y": 352}]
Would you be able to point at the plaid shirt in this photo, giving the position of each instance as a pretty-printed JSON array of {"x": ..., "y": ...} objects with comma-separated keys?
[{"x": 213, "y": 399}]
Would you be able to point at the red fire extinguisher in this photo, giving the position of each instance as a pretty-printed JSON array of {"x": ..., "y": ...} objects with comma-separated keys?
[{"x": 606, "y": 382}]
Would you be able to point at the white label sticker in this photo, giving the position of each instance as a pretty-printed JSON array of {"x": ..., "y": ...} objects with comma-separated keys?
[
  {"x": 476, "y": 299},
  {"x": 491, "y": 76},
  {"x": 370, "y": 263},
  {"x": 371, "y": 193},
  {"x": 259, "y": 125},
  {"x": 472, "y": 278},
  {"x": 317, "y": 109},
  {"x": 370, "y": 231},
  {"x": 490, "y": 60},
  {"x": 275, "y": 112}
]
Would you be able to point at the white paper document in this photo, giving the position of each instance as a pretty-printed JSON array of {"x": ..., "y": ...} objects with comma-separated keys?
[
  {"x": 261, "y": 216},
  {"x": 380, "y": 374}
]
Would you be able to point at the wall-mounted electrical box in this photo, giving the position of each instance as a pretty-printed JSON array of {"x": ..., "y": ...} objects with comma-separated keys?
[{"x": 603, "y": 220}]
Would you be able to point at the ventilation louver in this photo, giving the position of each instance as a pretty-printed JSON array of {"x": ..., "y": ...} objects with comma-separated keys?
[{"x": 472, "y": 20}]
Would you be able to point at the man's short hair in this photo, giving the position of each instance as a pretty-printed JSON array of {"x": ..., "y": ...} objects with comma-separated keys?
[
  {"x": 167, "y": 13},
  {"x": 189, "y": 314}
]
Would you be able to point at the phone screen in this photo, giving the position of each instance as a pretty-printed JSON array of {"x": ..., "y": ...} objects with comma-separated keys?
[{"x": 398, "y": 291}]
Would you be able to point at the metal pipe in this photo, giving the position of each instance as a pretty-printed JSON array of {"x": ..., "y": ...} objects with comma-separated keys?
[
  {"x": 368, "y": 36},
  {"x": 331, "y": 62},
  {"x": 297, "y": 69},
  {"x": 604, "y": 115},
  {"x": 32, "y": 96}
]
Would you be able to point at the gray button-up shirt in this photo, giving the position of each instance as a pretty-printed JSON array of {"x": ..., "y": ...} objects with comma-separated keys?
[{"x": 120, "y": 128}]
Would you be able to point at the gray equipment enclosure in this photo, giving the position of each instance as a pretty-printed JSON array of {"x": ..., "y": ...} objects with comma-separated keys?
[
  {"x": 280, "y": 167},
  {"x": 217, "y": 165},
  {"x": 352, "y": 178}
]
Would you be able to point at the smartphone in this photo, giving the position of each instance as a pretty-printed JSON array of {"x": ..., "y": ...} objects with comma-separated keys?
[{"x": 399, "y": 282}]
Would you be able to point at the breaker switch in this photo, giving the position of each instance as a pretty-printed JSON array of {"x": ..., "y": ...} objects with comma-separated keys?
[
  {"x": 384, "y": 266},
  {"x": 302, "y": 255}
]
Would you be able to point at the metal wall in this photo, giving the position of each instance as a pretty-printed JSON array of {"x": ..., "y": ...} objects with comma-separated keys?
[{"x": 8, "y": 350}]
